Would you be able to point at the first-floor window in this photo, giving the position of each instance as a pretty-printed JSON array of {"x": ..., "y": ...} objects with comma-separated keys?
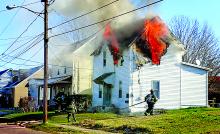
[
  {"x": 41, "y": 93},
  {"x": 155, "y": 85},
  {"x": 100, "y": 91}
]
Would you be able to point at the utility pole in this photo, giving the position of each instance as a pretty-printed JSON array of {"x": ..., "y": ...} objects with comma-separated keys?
[{"x": 45, "y": 60}]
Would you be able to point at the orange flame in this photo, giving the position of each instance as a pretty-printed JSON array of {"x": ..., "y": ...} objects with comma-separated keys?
[
  {"x": 114, "y": 45},
  {"x": 154, "y": 31}
]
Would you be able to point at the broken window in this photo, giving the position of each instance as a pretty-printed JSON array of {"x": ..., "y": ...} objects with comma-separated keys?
[
  {"x": 100, "y": 91},
  {"x": 155, "y": 85},
  {"x": 104, "y": 58},
  {"x": 120, "y": 89}
]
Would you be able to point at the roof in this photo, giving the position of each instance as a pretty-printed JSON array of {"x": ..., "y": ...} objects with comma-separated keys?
[
  {"x": 100, "y": 79},
  {"x": 10, "y": 85},
  {"x": 2, "y": 72},
  {"x": 57, "y": 80},
  {"x": 196, "y": 66}
]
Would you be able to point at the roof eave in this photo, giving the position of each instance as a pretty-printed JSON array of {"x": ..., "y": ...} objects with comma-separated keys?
[{"x": 196, "y": 66}]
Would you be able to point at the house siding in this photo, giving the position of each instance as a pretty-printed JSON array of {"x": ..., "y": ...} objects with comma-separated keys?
[
  {"x": 122, "y": 73},
  {"x": 194, "y": 86},
  {"x": 176, "y": 81},
  {"x": 168, "y": 73},
  {"x": 99, "y": 69},
  {"x": 21, "y": 91}
]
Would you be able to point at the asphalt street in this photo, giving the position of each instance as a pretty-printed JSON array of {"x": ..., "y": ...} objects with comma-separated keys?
[{"x": 14, "y": 129}]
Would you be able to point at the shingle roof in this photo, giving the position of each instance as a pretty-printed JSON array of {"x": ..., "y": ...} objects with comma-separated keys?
[{"x": 2, "y": 72}]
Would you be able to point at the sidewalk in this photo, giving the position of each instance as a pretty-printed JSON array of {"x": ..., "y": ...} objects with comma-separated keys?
[{"x": 90, "y": 131}]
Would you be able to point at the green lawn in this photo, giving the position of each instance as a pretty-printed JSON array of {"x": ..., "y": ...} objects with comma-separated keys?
[{"x": 193, "y": 120}]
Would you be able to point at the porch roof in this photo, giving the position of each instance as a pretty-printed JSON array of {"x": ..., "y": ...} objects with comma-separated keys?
[
  {"x": 101, "y": 78},
  {"x": 59, "y": 80}
]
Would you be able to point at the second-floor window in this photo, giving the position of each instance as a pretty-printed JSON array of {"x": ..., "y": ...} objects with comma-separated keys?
[
  {"x": 120, "y": 90},
  {"x": 104, "y": 58},
  {"x": 65, "y": 70}
]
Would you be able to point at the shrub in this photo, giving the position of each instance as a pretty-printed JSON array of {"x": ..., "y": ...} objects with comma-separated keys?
[{"x": 27, "y": 104}]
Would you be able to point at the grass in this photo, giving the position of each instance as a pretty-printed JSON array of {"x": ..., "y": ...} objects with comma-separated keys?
[
  {"x": 26, "y": 116},
  {"x": 198, "y": 120},
  {"x": 192, "y": 120},
  {"x": 54, "y": 129}
]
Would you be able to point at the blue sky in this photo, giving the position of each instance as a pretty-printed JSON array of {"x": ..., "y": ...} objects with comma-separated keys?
[{"x": 203, "y": 10}]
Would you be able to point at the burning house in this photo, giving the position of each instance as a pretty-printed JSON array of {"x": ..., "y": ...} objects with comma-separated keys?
[
  {"x": 130, "y": 57},
  {"x": 136, "y": 58}
]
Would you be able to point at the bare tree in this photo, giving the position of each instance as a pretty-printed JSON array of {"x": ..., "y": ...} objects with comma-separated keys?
[{"x": 200, "y": 43}]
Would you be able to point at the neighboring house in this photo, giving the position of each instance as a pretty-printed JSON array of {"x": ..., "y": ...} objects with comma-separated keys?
[
  {"x": 60, "y": 78},
  {"x": 17, "y": 89},
  {"x": 83, "y": 66},
  {"x": 55, "y": 85},
  {"x": 214, "y": 88},
  {"x": 5, "y": 78},
  {"x": 125, "y": 81}
]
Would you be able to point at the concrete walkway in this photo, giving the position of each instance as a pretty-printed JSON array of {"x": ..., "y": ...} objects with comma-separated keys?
[{"x": 90, "y": 131}]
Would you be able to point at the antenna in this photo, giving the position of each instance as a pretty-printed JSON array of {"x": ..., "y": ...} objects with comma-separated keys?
[{"x": 198, "y": 62}]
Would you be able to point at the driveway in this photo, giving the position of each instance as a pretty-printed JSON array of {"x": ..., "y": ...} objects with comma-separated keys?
[{"x": 14, "y": 129}]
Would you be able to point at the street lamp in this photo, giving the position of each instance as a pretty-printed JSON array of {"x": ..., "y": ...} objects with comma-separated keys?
[
  {"x": 45, "y": 51},
  {"x": 13, "y": 7}
]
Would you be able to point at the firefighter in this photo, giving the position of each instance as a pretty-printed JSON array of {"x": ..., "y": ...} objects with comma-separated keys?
[
  {"x": 150, "y": 99},
  {"x": 71, "y": 111}
]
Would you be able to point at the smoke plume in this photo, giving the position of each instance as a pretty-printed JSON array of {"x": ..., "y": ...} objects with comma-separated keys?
[{"x": 76, "y": 7}]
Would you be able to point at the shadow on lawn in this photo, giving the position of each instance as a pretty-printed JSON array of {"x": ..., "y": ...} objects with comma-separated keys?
[{"x": 25, "y": 117}]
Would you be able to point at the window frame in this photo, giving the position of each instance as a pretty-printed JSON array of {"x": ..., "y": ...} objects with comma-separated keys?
[
  {"x": 100, "y": 91},
  {"x": 65, "y": 70},
  {"x": 120, "y": 89},
  {"x": 156, "y": 91},
  {"x": 58, "y": 72},
  {"x": 104, "y": 58}
]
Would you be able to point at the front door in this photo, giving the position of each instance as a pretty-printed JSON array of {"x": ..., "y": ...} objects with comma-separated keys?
[{"x": 107, "y": 95}]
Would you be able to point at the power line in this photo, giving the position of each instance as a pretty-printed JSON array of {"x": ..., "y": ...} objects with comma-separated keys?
[
  {"x": 15, "y": 63},
  {"x": 20, "y": 35},
  {"x": 36, "y": 38},
  {"x": 24, "y": 64},
  {"x": 11, "y": 20},
  {"x": 85, "y": 14},
  {"x": 12, "y": 38},
  {"x": 31, "y": 3},
  {"x": 21, "y": 53},
  {"x": 106, "y": 19}
]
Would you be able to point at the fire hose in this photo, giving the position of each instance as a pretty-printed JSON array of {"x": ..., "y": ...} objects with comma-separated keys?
[{"x": 132, "y": 105}]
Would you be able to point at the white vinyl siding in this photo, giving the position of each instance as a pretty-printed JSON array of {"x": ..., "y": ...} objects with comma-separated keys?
[
  {"x": 194, "y": 86},
  {"x": 168, "y": 73}
]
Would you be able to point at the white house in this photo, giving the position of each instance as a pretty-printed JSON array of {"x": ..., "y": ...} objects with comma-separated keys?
[{"x": 176, "y": 84}]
